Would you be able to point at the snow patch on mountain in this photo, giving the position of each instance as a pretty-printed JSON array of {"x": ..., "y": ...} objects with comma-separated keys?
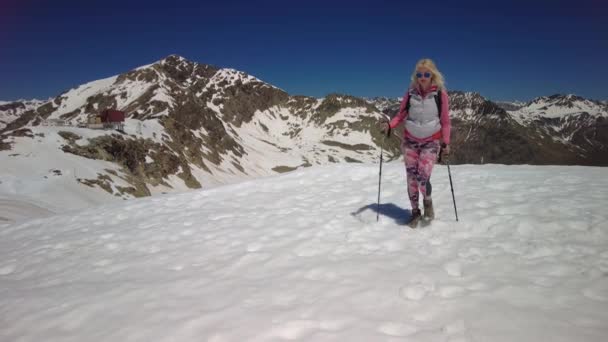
[
  {"x": 559, "y": 106},
  {"x": 76, "y": 98}
]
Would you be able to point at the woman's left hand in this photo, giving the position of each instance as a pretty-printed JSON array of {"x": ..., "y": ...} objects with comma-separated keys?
[
  {"x": 385, "y": 127},
  {"x": 445, "y": 151}
]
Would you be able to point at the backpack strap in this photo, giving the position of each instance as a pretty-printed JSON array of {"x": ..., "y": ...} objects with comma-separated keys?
[
  {"x": 438, "y": 101},
  {"x": 407, "y": 104}
]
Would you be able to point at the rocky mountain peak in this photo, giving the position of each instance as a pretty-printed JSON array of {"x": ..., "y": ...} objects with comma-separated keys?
[
  {"x": 472, "y": 103},
  {"x": 174, "y": 59}
]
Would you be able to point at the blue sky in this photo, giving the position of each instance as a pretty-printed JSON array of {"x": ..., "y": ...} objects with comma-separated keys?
[{"x": 512, "y": 50}]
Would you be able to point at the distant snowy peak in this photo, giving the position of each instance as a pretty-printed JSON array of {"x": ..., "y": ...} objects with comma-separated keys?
[
  {"x": 560, "y": 99},
  {"x": 466, "y": 98},
  {"x": 510, "y": 105},
  {"x": 20, "y": 100},
  {"x": 176, "y": 69},
  {"x": 556, "y": 106},
  {"x": 187, "y": 73},
  {"x": 473, "y": 106},
  {"x": 578, "y": 124},
  {"x": 382, "y": 102},
  {"x": 149, "y": 91},
  {"x": 22, "y": 103},
  {"x": 345, "y": 99},
  {"x": 233, "y": 76}
]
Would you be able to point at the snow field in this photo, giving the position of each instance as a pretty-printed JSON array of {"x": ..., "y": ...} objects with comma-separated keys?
[{"x": 301, "y": 257}]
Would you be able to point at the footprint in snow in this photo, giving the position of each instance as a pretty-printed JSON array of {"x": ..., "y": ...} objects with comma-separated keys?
[
  {"x": 7, "y": 269},
  {"x": 453, "y": 269},
  {"x": 456, "y": 331},
  {"x": 317, "y": 274},
  {"x": 397, "y": 329},
  {"x": 254, "y": 247},
  {"x": 451, "y": 291},
  {"x": 478, "y": 286},
  {"x": 472, "y": 255},
  {"x": 112, "y": 246},
  {"x": 414, "y": 292},
  {"x": 294, "y": 330},
  {"x": 102, "y": 263},
  {"x": 598, "y": 290}
]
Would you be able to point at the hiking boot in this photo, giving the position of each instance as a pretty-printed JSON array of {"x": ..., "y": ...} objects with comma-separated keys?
[
  {"x": 429, "y": 213},
  {"x": 413, "y": 223}
]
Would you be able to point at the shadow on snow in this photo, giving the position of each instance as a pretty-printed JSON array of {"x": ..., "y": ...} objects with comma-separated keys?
[{"x": 399, "y": 215}]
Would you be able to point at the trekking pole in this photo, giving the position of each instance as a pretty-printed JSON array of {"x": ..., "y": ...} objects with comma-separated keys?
[
  {"x": 380, "y": 173},
  {"x": 447, "y": 162}
]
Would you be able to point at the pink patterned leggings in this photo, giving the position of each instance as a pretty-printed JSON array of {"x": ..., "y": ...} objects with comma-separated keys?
[{"x": 420, "y": 157}]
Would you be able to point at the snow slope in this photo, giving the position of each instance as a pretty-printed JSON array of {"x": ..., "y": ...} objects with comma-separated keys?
[
  {"x": 35, "y": 173},
  {"x": 300, "y": 257}
]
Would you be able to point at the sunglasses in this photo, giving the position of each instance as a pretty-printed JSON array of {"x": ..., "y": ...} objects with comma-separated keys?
[{"x": 426, "y": 75}]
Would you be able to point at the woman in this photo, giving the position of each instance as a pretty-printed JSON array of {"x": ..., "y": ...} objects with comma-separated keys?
[{"x": 425, "y": 108}]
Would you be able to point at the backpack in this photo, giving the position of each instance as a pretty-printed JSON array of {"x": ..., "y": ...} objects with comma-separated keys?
[{"x": 437, "y": 101}]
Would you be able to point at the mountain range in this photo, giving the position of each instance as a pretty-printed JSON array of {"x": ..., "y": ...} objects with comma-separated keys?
[
  {"x": 558, "y": 129},
  {"x": 191, "y": 125}
]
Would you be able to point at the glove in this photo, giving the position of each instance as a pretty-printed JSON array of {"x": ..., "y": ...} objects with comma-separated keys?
[
  {"x": 385, "y": 127},
  {"x": 445, "y": 152}
]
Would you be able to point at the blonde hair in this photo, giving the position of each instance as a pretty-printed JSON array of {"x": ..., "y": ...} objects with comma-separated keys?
[{"x": 436, "y": 79}]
